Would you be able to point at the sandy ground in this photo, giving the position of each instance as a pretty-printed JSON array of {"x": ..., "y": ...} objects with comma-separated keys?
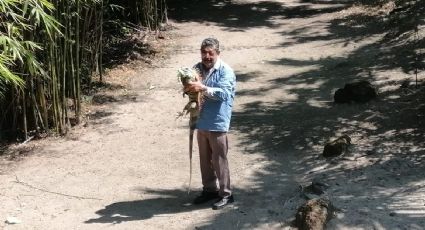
[{"x": 128, "y": 168}]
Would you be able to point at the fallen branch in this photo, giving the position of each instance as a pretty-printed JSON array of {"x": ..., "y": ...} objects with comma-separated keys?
[
  {"x": 26, "y": 141},
  {"x": 56, "y": 193}
]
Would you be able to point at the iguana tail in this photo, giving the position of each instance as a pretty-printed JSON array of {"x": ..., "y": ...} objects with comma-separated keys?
[{"x": 190, "y": 157}]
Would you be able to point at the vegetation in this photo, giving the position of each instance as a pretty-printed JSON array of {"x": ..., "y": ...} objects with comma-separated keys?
[{"x": 49, "y": 50}]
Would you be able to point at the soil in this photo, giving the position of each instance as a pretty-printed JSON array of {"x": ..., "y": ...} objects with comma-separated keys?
[{"x": 127, "y": 166}]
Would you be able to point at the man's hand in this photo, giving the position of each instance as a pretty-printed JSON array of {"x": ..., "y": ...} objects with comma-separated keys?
[{"x": 194, "y": 87}]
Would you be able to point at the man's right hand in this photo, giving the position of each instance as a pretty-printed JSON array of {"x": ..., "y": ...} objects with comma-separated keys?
[{"x": 194, "y": 87}]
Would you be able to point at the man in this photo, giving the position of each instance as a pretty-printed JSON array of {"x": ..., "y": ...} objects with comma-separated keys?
[{"x": 218, "y": 90}]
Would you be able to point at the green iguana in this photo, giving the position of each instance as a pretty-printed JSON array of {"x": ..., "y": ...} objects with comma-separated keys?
[{"x": 186, "y": 75}]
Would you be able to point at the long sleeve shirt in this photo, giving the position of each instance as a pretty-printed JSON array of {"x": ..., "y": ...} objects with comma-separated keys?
[{"x": 216, "y": 109}]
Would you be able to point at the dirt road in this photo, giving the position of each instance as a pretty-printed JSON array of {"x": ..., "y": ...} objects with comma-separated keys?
[{"x": 128, "y": 169}]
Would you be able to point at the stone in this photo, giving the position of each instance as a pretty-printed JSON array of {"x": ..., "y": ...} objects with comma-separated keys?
[
  {"x": 12, "y": 220},
  {"x": 359, "y": 91},
  {"x": 337, "y": 146},
  {"x": 314, "y": 214}
]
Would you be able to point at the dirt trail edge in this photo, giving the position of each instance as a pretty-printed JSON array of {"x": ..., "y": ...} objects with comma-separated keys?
[{"x": 129, "y": 168}]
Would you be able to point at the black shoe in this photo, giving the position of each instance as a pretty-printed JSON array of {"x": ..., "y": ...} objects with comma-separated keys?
[
  {"x": 223, "y": 202},
  {"x": 205, "y": 196}
]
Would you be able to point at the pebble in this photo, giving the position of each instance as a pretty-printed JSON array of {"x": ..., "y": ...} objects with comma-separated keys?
[{"x": 12, "y": 220}]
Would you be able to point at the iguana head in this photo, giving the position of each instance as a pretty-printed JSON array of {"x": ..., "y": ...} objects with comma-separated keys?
[{"x": 187, "y": 74}]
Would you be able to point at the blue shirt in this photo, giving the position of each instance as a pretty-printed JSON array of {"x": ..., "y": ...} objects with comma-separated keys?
[{"x": 216, "y": 108}]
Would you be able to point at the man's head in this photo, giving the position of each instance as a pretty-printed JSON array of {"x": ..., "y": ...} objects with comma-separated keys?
[{"x": 210, "y": 50}]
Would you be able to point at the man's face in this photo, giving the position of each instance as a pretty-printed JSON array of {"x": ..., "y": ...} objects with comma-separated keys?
[{"x": 209, "y": 56}]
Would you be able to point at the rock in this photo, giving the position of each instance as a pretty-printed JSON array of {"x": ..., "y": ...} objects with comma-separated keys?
[
  {"x": 134, "y": 55},
  {"x": 341, "y": 96},
  {"x": 337, "y": 146},
  {"x": 370, "y": 152},
  {"x": 161, "y": 36},
  {"x": 405, "y": 84},
  {"x": 360, "y": 91},
  {"x": 319, "y": 187},
  {"x": 316, "y": 189},
  {"x": 12, "y": 220},
  {"x": 310, "y": 195},
  {"x": 314, "y": 214}
]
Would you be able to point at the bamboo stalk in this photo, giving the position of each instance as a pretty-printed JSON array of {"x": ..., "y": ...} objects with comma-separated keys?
[
  {"x": 100, "y": 50},
  {"x": 77, "y": 97},
  {"x": 43, "y": 105},
  {"x": 24, "y": 116}
]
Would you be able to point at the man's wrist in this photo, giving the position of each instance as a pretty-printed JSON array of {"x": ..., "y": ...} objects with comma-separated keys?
[{"x": 204, "y": 88}]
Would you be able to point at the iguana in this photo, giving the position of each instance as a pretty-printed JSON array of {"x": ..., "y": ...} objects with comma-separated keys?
[{"x": 186, "y": 75}]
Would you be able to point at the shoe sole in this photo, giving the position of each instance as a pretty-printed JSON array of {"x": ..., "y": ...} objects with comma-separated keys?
[
  {"x": 206, "y": 200},
  {"x": 223, "y": 206}
]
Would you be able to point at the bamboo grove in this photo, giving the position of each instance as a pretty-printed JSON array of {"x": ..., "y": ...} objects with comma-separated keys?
[{"x": 48, "y": 51}]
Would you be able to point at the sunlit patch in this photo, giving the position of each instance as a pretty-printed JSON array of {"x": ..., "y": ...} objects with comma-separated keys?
[
  {"x": 378, "y": 225},
  {"x": 299, "y": 147},
  {"x": 260, "y": 9},
  {"x": 388, "y": 88},
  {"x": 394, "y": 97},
  {"x": 313, "y": 102},
  {"x": 220, "y": 4},
  {"x": 346, "y": 197},
  {"x": 406, "y": 131},
  {"x": 367, "y": 125},
  {"x": 408, "y": 200},
  {"x": 360, "y": 124},
  {"x": 389, "y": 133},
  {"x": 120, "y": 215}
]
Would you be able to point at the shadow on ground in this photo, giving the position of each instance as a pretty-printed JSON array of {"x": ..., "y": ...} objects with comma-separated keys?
[
  {"x": 387, "y": 132},
  {"x": 390, "y": 129},
  {"x": 166, "y": 202},
  {"x": 236, "y": 16},
  {"x": 102, "y": 94}
]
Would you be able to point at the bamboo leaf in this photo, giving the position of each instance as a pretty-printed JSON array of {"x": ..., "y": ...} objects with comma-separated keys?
[
  {"x": 25, "y": 8},
  {"x": 47, "y": 4},
  {"x": 6, "y": 76},
  {"x": 30, "y": 45}
]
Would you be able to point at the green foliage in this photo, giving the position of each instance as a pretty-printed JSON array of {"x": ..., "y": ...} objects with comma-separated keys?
[
  {"x": 47, "y": 50},
  {"x": 7, "y": 77}
]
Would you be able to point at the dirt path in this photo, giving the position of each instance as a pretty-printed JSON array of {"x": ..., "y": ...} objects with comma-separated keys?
[{"x": 129, "y": 168}]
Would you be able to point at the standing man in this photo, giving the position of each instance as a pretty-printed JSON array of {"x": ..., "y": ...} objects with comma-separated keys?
[{"x": 218, "y": 90}]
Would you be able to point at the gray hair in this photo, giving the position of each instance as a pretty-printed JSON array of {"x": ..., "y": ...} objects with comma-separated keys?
[{"x": 211, "y": 42}]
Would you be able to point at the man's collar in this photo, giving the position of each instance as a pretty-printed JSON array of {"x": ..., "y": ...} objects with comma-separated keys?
[{"x": 217, "y": 64}]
